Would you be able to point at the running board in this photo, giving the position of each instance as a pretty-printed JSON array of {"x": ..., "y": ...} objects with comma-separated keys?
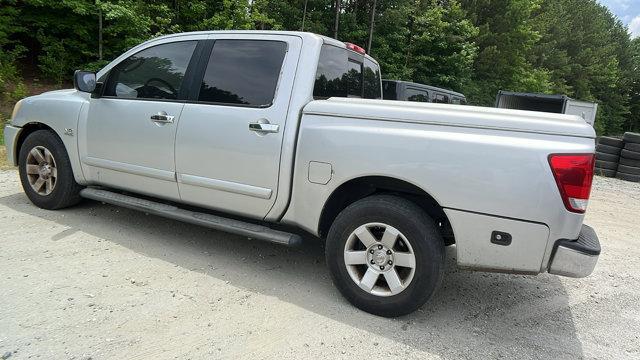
[{"x": 212, "y": 221}]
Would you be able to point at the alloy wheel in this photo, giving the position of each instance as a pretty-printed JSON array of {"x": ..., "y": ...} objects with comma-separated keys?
[
  {"x": 41, "y": 170},
  {"x": 379, "y": 259}
]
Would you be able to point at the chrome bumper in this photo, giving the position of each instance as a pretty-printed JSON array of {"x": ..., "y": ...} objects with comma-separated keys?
[
  {"x": 576, "y": 258},
  {"x": 10, "y": 136}
]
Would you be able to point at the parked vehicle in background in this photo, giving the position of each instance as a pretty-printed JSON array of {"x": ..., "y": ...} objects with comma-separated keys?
[
  {"x": 559, "y": 104},
  {"x": 410, "y": 91},
  {"x": 266, "y": 133}
]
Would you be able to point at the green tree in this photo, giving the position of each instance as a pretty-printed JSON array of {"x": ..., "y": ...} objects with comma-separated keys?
[
  {"x": 587, "y": 52},
  {"x": 505, "y": 43}
]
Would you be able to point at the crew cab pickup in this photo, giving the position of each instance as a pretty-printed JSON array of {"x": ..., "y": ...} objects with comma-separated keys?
[{"x": 274, "y": 135}]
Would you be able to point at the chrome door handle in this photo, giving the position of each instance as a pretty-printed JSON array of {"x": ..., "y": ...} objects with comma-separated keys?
[
  {"x": 162, "y": 118},
  {"x": 264, "y": 127}
]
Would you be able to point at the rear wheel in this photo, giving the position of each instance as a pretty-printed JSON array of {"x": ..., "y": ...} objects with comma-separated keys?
[
  {"x": 45, "y": 171},
  {"x": 385, "y": 255}
]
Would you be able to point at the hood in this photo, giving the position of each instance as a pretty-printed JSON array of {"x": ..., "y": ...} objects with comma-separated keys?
[{"x": 454, "y": 115}]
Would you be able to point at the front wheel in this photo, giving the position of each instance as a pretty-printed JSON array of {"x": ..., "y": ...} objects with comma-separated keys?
[
  {"x": 45, "y": 171},
  {"x": 385, "y": 255}
]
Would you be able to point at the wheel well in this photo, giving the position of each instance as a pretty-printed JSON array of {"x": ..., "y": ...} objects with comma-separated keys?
[
  {"x": 26, "y": 130},
  {"x": 359, "y": 188}
]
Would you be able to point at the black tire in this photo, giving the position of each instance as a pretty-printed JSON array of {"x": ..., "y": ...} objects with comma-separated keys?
[
  {"x": 629, "y": 170},
  {"x": 607, "y": 157},
  {"x": 608, "y": 149},
  {"x": 628, "y": 177},
  {"x": 630, "y": 154},
  {"x": 420, "y": 231},
  {"x": 608, "y": 165},
  {"x": 629, "y": 162},
  {"x": 635, "y": 147},
  {"x": 611, "y": 141},
  {"x": 66, "y": 191},
  {"x": 605, "y": 172},
  {"x": 630, "y": 137}
]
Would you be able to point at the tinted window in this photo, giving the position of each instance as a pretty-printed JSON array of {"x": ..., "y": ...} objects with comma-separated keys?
[
  {"x": 353, "y": 79},
  {"x": 340, "y": 74},
  {"x": 153, "y": 73},
  {"x": 417, "y": 95},
  {"x": 371, "y": 80},
  {"x": 243, "y": 72},
  {"x": 389, "y": 90},
  {"x": 440, "y": 98}
]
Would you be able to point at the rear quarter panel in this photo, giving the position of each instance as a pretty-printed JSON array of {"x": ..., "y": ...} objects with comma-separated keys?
[{"x": 502, "y": 174}]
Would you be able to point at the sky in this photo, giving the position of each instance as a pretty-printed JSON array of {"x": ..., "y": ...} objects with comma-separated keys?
[{"x": 628, "y": 11}]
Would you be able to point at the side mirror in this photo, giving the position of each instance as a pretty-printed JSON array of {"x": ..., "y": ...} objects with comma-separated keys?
[{"x": 84, "y": 81}]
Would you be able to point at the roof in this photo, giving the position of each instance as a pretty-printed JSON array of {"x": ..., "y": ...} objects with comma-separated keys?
[
  {"x": 429, "y": 87},
  {"x": 301, "y": 34},
  {"x": 535, "y": 95}
]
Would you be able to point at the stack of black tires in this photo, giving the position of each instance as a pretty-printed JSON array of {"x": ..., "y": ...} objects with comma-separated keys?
[
  {"x": 629, "y": 163},
  {"x": 608, "y": 155}
]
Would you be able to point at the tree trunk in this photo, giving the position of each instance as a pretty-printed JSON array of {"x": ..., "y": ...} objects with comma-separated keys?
[
  {"x": 99, "y": 34},
  {"x": 337, "y": 22},
  {"x": 304, "y": 14},
  {"x": 371, "y": 24}
]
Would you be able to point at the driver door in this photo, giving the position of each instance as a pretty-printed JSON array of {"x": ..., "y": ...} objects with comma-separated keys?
[{"x": 130, "y": 130}]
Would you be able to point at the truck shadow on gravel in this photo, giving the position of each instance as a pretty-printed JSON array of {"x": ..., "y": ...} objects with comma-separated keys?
[{"x": 474, "y": 315}]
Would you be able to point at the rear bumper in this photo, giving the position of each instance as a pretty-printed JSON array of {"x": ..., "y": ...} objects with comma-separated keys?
[
  {"x": 576, "y": 258},
  {"x": 10, "y": 136}
]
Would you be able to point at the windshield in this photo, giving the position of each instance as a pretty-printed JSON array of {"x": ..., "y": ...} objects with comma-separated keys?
[{"x": 345, "y": 73}]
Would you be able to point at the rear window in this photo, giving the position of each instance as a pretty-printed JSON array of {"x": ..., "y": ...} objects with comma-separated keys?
[{"x": 344, "y": 73}]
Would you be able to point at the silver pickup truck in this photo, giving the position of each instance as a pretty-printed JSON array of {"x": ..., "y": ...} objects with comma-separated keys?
[{"x": 272, "y": 135}]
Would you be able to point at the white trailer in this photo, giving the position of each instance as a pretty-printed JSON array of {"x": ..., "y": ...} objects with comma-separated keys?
[{"x": 560, "y": 104}]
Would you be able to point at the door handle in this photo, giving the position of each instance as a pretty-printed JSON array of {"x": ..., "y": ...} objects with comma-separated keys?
[
  {"x": 162, "y": 118},
  {"x": 264, "y": 127}
]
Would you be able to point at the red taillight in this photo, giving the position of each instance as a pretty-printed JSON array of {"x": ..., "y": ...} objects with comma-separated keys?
[
  {"x": 355, "y": 48},
  {"x": 573, "y": 174}
]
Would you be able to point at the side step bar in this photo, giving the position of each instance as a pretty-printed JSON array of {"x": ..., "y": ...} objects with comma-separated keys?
[{"x": 212, "y": 221}]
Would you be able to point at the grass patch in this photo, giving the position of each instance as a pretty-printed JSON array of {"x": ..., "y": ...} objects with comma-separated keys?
[{"x": 3, "y": 121}]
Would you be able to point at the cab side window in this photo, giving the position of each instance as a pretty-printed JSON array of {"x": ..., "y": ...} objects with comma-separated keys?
[
  {"x": 417, "y": 95},
  {"x": 243, "y": 72},
  {"x": 153, "y": 73},
  {"x": 441, "y": 98}
]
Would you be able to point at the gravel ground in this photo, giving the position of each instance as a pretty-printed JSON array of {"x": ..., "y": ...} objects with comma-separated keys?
[{"x": 101, "y": 282}]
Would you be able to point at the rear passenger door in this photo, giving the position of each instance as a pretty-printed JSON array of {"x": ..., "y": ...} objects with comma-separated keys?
[{"x": 229, "y": 139}]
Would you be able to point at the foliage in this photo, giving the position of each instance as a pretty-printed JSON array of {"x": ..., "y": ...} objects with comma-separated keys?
[{"x": 572, "y": 47}]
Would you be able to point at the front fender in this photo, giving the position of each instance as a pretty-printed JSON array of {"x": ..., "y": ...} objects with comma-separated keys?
[
  {"x": 11, "y": 134},
  {"x": 58, "y": 110}
]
